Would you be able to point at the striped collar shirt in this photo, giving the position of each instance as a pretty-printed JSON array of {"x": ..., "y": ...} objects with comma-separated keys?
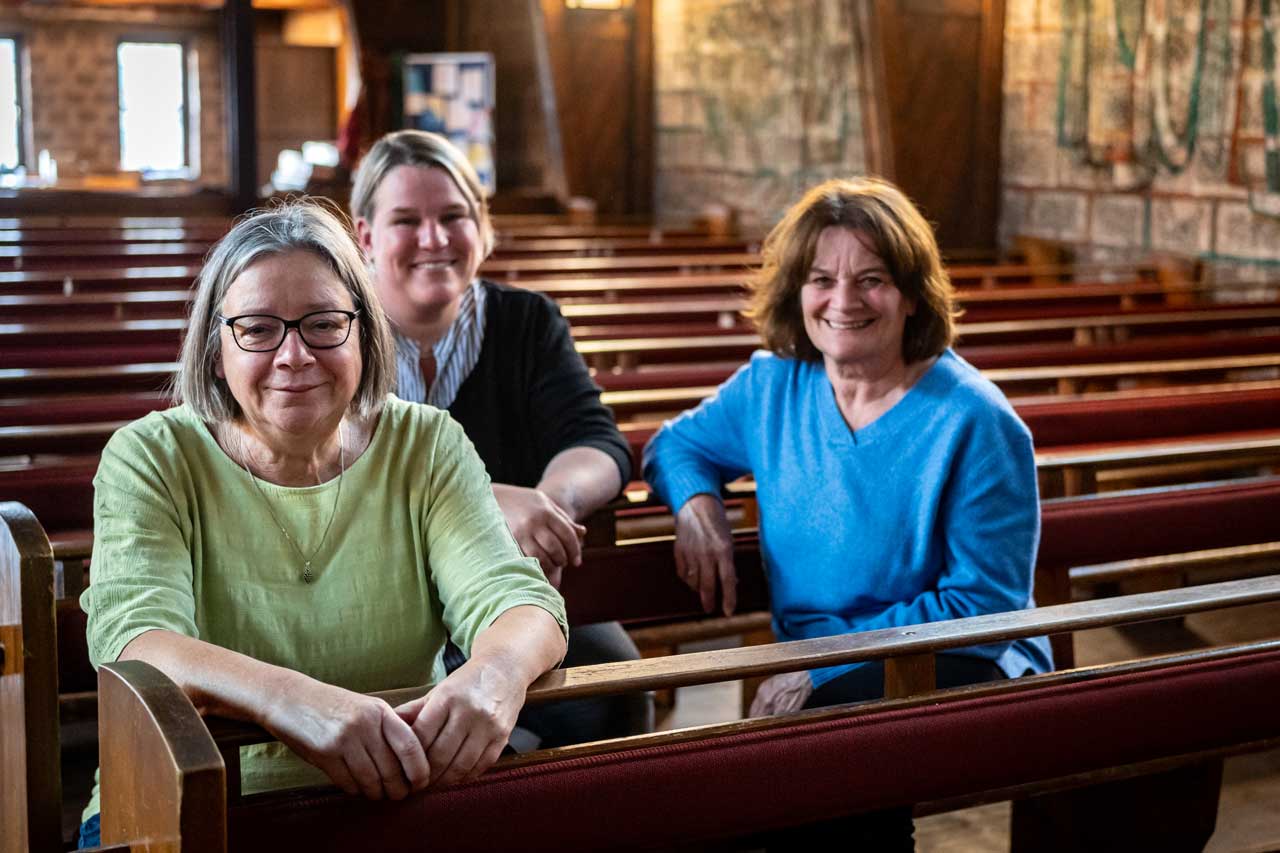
[{"x": 456, "y": 354}]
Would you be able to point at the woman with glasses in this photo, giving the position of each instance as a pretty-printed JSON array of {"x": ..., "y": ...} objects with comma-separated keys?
[
  {"x": 291, "y": 537},
  {"x": 502, "y": 362}
]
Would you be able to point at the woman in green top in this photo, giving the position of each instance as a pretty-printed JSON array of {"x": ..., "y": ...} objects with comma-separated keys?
[{"x": 276, "y": 545}]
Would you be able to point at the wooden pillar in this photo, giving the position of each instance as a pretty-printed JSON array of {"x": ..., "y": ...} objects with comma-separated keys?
[{"x": 242, "y": 121}]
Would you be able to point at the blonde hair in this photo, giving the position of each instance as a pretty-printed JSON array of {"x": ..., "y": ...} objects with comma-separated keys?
[
  {"x": 305, "y": 225},
  {"x": 428, "y": 150},
  {"x": 900, "y": 236}
]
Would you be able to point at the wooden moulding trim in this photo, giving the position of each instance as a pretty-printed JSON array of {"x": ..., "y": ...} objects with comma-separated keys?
[
  {"x": 914, "y": 640},
  {"x": 1192, "y": 560},
  {"x": 1263, "y": 444},
  {"x": 701, "y": 629}
]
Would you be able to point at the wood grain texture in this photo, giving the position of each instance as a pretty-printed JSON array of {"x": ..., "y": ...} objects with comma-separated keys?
[
  {"x": 163, "y": 780},
  {"x": 32, "y": 781},
  {"x": 942, "y": 66}
]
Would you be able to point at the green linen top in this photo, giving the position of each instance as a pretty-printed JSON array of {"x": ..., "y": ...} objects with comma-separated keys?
[{"x": 418, "y": 548}]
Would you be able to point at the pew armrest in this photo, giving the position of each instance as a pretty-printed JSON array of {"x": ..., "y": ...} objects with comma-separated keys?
[{"x": 163, "y": 779}]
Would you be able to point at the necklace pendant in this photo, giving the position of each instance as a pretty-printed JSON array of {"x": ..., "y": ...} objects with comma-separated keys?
[{"x": 306, "y": 572}]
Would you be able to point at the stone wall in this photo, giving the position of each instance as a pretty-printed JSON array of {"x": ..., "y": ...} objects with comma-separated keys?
[
  {"x": 70, "y": 57},
  {"x": 756, "y": 101},
  {"x": 1102, "y": 200}
]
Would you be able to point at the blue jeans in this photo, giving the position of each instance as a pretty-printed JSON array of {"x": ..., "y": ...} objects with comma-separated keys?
[{"x": 90, "y": 833}]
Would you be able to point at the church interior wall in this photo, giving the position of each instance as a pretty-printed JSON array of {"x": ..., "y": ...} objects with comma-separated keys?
[
  {"x": 70, "y": 59},
  {"x": 1096, "y": 160}
]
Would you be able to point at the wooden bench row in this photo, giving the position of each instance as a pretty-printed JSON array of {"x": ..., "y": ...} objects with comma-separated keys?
[
  {"x": 626, "y": 345},
  {"x": 992, "y": 742},
  {"x": 1005, "y": 304}
]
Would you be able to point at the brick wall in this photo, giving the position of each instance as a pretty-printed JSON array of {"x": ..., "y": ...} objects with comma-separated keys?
[
  {"x": 1118, "y": 209},
  {"x": 71, "y": 62},
  {"x": 756, "y": 101}
]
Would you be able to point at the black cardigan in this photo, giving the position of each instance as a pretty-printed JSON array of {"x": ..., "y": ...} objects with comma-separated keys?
[{"x": 529, "y": 396}]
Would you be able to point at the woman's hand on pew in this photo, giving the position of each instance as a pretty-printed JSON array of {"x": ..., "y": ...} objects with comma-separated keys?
[
  {"x": 704, "y": 551},
  {"x": 465, "y": 721},
  {"x": 782, "y": 694},
  {"x": 359, "y": 742},
  {"x": 542, "y": 529}
]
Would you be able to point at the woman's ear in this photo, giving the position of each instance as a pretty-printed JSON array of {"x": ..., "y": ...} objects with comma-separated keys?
[{"x": 364, "y": 235}]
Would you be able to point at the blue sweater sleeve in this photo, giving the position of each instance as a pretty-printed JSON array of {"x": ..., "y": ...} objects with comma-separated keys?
[{"x": 704, "y": 448}]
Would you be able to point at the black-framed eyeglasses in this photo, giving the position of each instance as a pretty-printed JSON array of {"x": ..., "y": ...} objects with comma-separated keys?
[{"x": 265, "y": 332}]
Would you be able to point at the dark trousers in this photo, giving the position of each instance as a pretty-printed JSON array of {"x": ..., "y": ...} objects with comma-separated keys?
[{"x": 888, "y": 830}]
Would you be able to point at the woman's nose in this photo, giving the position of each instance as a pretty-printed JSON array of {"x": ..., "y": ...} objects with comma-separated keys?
[
  {"x": 846, "y": 293},
  {"x": 431, "y": 235},
  {"x": 293, "y": 350}
]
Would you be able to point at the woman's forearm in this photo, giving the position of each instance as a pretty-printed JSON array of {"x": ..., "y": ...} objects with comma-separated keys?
[
  {"x": 525, "y": 641},
  {"x": 218, "y": 681},
  {"x": 581, "y": 480}
]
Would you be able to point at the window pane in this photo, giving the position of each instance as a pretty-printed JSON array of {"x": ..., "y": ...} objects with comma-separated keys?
[
  {"x": 152, "y": 113},
  {"x": 9, "y": 121}
]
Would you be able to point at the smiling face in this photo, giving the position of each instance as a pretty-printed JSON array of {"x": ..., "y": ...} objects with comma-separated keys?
[
  {"x": 294, "y": 391},
  {"x": 853, "y": 313},
  {"x": 424, "y": 244}
]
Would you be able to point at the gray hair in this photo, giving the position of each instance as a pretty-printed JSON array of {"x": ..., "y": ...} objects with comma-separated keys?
[
  {"x": 430, "y": 150},
  {"x": 306, "y": 225}
]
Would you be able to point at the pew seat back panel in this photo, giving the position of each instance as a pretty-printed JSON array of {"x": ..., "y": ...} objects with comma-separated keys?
[{"x": 718, "y": 787}]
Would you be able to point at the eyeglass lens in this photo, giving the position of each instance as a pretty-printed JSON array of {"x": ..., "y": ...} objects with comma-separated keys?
[{"x": 263, "y": 333}]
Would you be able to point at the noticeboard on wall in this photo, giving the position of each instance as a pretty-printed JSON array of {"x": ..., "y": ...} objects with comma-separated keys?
[{"x": 452, "y": 94}]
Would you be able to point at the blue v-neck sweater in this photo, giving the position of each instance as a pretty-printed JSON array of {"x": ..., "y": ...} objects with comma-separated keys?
[{"x": 928, "y": 513}]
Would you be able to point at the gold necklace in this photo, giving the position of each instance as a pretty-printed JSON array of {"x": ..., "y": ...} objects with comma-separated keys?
[{"x": 307, "y": 576}]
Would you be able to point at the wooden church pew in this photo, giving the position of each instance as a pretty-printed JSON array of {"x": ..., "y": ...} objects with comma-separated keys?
[
  {"x": 599, "y": 246},
  {"x": 709, "y": 783},
  {"x": 100, "y": 255},
  {"x": 101, "y": 234},
  {"x": 1195, "y": 517},
  {"x": 30, "y": 775},
  {"x": 58, "y": 342},
  {"x": 1075, "y": 440},
  {"x": 63, "y": 221},
  {"x": 81, "y": 279}
]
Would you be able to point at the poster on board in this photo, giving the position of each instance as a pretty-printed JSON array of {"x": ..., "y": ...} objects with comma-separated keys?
[{"x": 452, "y": 94}]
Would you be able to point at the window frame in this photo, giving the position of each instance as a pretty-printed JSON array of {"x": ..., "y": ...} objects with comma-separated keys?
[
  {"x": 187, "y": 170},
  {"x": 21, "y": 95}
]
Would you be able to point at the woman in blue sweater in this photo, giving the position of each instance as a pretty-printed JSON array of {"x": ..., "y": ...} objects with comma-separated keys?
[{"x": 896, "y": 485}]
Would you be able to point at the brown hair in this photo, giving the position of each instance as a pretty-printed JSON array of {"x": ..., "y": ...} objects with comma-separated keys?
[{"x": 898, "y": 233}]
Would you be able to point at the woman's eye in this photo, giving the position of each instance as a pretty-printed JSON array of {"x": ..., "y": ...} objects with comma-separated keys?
[{"x": 870, "y": 282}]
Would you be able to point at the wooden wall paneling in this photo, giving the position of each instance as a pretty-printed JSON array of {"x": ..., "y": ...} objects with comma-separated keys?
[
  {"x": 554, "y": 179},
  {"x": 603, "y": 64},
  {"x": 640, "y": 188},
  {"x": 942, "y": 68}
]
